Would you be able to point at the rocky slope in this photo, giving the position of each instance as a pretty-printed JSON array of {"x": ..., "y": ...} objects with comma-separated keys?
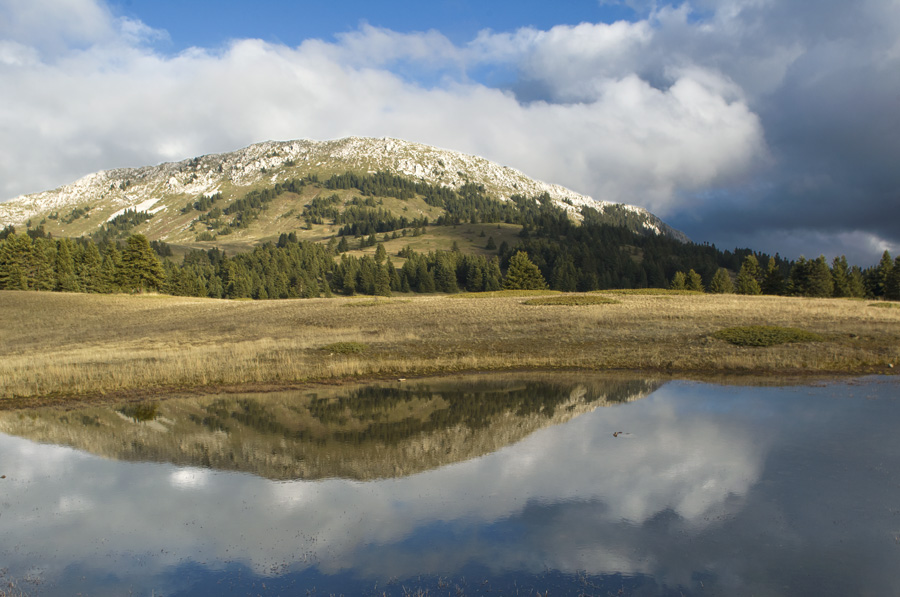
[{"x": 167, "y": 187}]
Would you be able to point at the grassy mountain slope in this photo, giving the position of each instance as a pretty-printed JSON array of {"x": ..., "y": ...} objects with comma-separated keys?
[{"x": 166, "y": 191}]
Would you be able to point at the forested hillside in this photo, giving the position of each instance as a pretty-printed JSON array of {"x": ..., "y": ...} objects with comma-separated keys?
[{"x": 604, "y": 250}]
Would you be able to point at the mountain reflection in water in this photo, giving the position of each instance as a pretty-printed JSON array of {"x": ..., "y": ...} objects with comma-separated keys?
[
  {"x": 712, "y": 490},
  {"x": 355, "y": 432}
]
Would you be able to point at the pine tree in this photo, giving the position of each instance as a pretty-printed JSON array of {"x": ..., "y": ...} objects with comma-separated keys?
[
  {"x": 798, "y": 284},
  {"x": 445, "y": 274},
  {"x": 564, "y": 276},
  {"x": 141, "y": 267},
  {"x": 773, "y": 282},
  {"x": 693, "y": 282},
  {"x": 382, "y": 281},
  {"x": 678, "y": 281},
  {"x": 238, "y": 283},
  {"x": 820, "y": 281},
  {"x": 892, "y": 285},
  {"x": 89, "y": 268},
  {"x": 110, "y": 271},
  {"x": 424, "y": 277},
  {"x": 15, "y": 255},
  {"x": 882, "y": 274},
  {"x": 721, "y": 282},
  {"x": 840, "y": 276},
  {"x": 475, "y": 279},
  {"x": 857, "y": 282},
  {"x": 42, "y": 274},
  {"x": 493, "y": 278},
  {"x": 65, "y": 267},
  {"x": 748, "y": 277},
  {"x": 523, "y": 274}
]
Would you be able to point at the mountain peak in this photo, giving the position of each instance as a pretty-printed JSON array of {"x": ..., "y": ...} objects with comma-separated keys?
[{"x": 169, "y": 185}]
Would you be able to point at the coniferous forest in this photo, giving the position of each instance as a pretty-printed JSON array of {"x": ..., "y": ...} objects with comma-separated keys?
[{"x": 604, "y": 251}]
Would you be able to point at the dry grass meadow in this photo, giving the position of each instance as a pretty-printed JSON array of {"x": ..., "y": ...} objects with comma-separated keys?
[{"x": 55, "y": 346}]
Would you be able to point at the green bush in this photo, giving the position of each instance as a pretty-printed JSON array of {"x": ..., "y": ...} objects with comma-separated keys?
[{"x": 765, "y": 335}]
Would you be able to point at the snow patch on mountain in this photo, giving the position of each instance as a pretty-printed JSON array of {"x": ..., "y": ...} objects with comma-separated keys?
[{"x": 142, "y": 206}]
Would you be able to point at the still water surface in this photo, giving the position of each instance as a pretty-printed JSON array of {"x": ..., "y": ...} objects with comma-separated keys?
[{"x": 501, "y": 485}]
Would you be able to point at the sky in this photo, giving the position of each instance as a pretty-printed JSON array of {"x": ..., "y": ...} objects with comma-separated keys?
[{"x": 769, "y": 124}]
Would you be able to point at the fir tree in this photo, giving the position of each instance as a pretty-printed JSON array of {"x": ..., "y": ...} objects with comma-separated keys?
[
  {"x": 65, "y": 267},
  {"x": 493, "y": 278},
  {"x": 798, "y": 284},
  {"x": 820, "y": 281},
  {"x": 693, "y": 281},
  {"x": 882, "y": 274},
  {"x": 444, "y": 274},
  {"x": 89, "y": 268},
  {"x": 721, "y": 282},
  {"x": 678, "y": 281},
  {"x": 773, "y": 282},
  {"x": 857, "y": 282},
  {"x": 523, "y": 274},
  {"x": 892, "y": 284},
  {"x": 15, "y": 254},
  {"x": 840, "y": 276},
  {"x": 43, "y": 259},
  {"x": 382, "y": 281},
  {"x": 564, "y": 277},
  {"x": 748, "y": 277},
  {"x": 425, "y": 278},
  {"x": 141, "y": 267}
]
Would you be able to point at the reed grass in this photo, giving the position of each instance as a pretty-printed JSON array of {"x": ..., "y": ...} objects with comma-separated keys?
[{"x": 62, "y": 345}]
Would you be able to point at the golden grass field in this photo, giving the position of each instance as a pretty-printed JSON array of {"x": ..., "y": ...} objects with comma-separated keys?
[{"x": 56, "y": 346}]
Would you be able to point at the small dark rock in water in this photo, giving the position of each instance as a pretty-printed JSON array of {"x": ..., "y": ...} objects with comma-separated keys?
[{"x": 2, "y": 476}]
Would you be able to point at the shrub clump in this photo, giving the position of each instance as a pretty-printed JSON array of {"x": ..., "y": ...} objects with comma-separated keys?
[
  {"x": 577, "y": 300},
  {"x": 765, "y": 335},
  {"x": 884, "y": 305},
  {"x": 345, "y": 348}
]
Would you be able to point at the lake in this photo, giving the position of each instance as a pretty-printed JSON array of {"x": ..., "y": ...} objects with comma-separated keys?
[{"x": 504, "y": 484}]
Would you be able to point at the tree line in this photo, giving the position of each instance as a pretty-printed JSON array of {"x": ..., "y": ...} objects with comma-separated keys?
[{"x": 552, "y": 252}]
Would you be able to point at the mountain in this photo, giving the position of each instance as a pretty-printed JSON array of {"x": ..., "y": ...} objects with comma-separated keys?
[{"x": 166, "y": 192}]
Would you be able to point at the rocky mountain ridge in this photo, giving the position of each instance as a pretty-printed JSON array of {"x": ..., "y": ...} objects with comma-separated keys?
[{"x": 168, "y": 186}]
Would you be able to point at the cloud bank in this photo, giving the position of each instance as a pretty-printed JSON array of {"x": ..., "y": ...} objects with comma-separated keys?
[{"x": 746, "y": 122}]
